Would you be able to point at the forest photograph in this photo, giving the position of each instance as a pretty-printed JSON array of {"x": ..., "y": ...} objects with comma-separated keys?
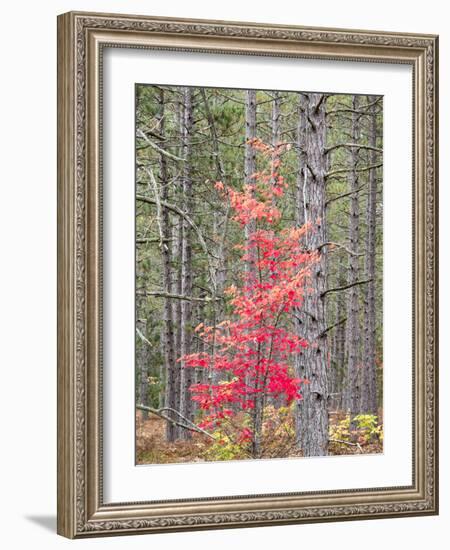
[{"x": 259, "y": 274}]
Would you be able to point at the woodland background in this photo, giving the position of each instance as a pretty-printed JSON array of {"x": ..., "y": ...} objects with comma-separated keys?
[{"x": 329, "y": 148}]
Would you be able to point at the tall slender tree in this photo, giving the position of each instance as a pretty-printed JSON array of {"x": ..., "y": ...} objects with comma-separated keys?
[
  {"x": 353, "y": 327},
  {"x": 249, "y": 170},
  {"x": 313, "y": 409},
  {"x": 142, "y": 351},
  {"x": 186, "y": 261},
  {"x": 161, "y": 194},
  {"x": 369, "y": 387},
  {"x": 339, "y": 339}
]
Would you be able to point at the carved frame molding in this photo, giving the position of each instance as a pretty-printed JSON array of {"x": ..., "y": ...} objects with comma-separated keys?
[{"x": 81, "y": 37}]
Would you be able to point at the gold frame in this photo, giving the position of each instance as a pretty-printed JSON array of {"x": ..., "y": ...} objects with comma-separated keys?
[{"x": 81, "y": 37}]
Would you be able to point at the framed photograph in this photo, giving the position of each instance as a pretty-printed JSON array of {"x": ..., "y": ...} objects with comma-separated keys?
[{"x": 247, "y": 276}]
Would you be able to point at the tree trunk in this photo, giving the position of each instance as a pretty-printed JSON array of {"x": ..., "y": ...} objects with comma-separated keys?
[
  {"x": 302, "y": 164},
  {"x": 142, "y": 354},
  {"x": 313, "y": 408},
  {"x": 339, "y": 341},
  {"x": 177, "y": 236},
  {"x": 250, "y": 133},
  {"x": 369, "y": 402},
  {"x": 177, "y": 244},
  {"x": 249, "y": 170},
  {"x": 186, "y": 264},
  {"x": 353, "y": 328},
  {"x": 168, "y": 334},
  {"x": 276, "y": 128},
  {"x": 299, "y": 214}
]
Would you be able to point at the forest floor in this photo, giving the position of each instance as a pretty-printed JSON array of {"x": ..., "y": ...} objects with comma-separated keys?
[{"x": 152, "y": 447}]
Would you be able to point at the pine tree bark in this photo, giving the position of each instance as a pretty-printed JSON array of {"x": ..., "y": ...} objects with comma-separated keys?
[
  {"x": 276, "y": 127},
  {"x": 249, "y": 170},
  {"x": 369, "y": 402},
  {"x": 353, "y": 329},
  {"x": 299, "y": 213},
  {"x": 185, "y": 405},
  {"x": 313, "y": 408},
  {"x": 339, "y": 340},
  {"x": 302, "y": 170},
  {"x": 177, "y": 244},
  {"x": 142, "y": 354},
  {"x": 250, "y": 133},
  {"x": 168, "y": 329},
  {"x": 177, "y": 240}
]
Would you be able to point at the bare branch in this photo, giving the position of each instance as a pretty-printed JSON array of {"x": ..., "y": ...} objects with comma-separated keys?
[
  {"x": 356, "y": 145},
  {"x": 332, "y": 199},
  {"x": 152, "y": 144},
  {"x": 162, "y": 294},
  {"x": 186, "y": 424},
  {"x": 158, "y": 206},
  {"x": 229, "y": 98},
  {"x": 176, "y": 210},
  {"x": 143, "y": 338},
  {"x": 345, "y": 170},
  {"x": 328, "y": 330},
  {"x": 338, "y": 245},
  {"x": 363, "y": 110},
  {"x": 319, "y": 103},
  {"x": 337, "y": 289},
  {"x": 143, "y": 240},
  {"x": 346, "y": 443}
]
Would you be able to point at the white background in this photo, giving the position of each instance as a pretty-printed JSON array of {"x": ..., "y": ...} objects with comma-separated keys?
[
  {"x": 28, "y": 275},
  {"x": 123, "y": 481}
]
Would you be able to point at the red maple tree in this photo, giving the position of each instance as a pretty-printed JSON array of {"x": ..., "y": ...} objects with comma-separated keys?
[{"x": 254, "y": 349}]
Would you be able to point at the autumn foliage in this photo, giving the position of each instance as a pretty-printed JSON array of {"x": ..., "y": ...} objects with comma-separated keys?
[{"x": 250, "y": 356}]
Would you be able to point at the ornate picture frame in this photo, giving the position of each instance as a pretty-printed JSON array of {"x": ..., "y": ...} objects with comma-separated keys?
[{"x": 82, "y": 38}]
